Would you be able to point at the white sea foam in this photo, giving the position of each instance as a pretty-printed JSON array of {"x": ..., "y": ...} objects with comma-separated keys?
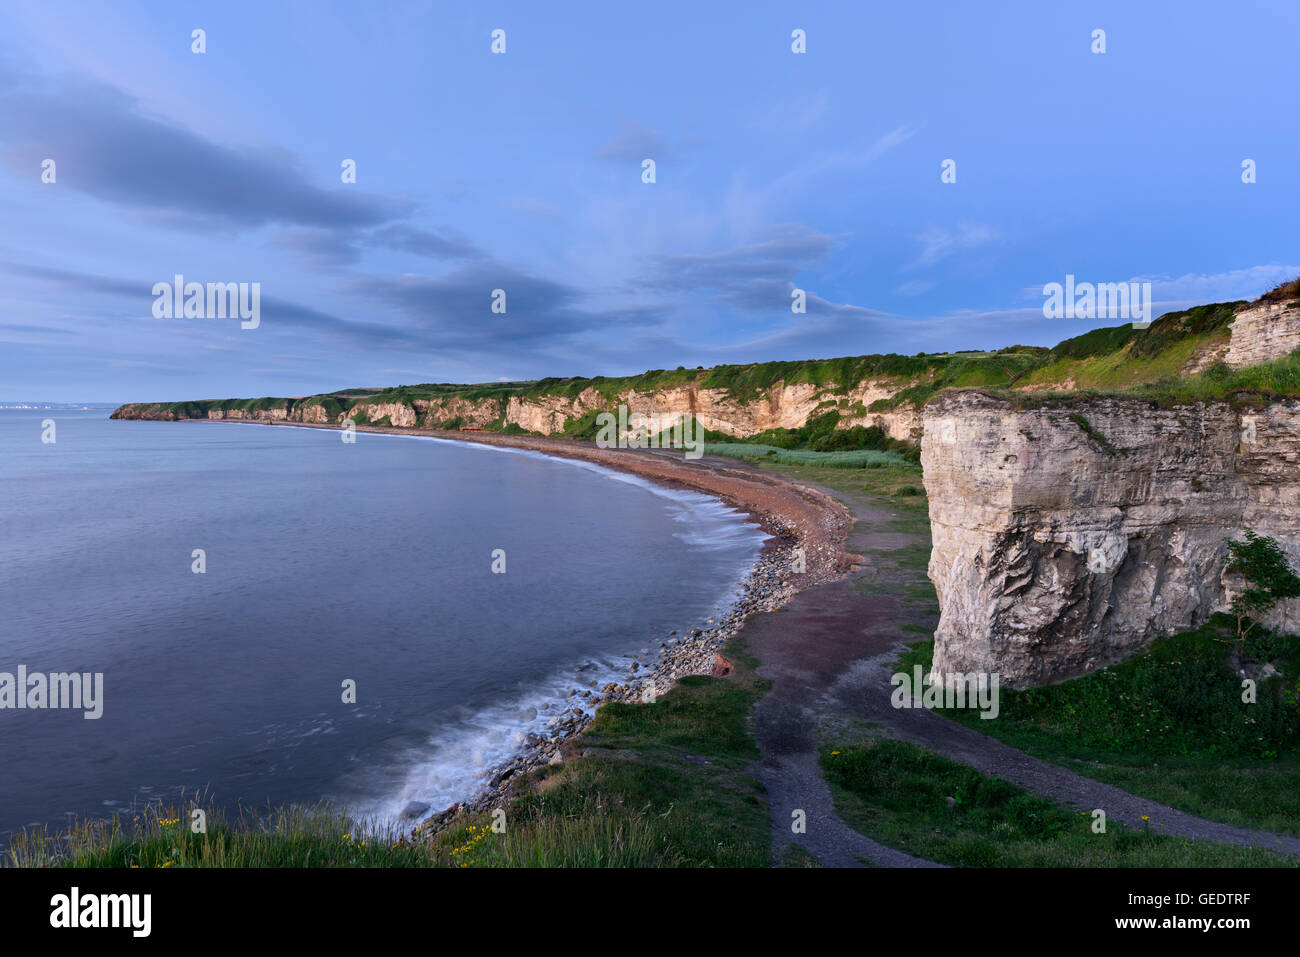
[{"x": 455, "y": 762}]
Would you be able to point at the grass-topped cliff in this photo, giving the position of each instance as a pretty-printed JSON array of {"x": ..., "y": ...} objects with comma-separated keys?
[{"x": 826, "y": 405}]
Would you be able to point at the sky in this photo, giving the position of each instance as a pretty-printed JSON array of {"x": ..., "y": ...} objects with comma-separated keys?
[{"x": 523, "y": 171}]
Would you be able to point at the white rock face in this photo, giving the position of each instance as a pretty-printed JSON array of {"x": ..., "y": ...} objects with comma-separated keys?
[
  {"x": 548, "y": 414},
  {"x": 314, "y": 413},
  {"x": 399, "y": 413},
  {"x": 1067, "y": 538},
  {"x": 1262, "y": 332},
  {"x": 780, "y": 407},
  {"x": 255, "y": 415}
]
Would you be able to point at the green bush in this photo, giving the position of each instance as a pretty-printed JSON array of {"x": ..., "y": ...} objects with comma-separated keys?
[
  {"x": 1098, "y": 342},
  {"x": 1173, "y": 327}
]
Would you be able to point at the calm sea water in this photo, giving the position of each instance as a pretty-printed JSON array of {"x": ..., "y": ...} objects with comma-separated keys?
[{"x": 324, "y": 562}]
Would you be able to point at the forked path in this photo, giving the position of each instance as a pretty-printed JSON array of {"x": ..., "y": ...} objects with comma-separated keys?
[{"x": 829, "y": 654}]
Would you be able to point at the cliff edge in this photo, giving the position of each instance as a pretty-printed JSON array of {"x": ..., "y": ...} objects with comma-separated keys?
[{"x": 1069, "y": 536}]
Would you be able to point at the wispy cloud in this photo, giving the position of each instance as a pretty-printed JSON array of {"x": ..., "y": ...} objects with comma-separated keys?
[
  {"x": 795, "y": 112},
  {"x": 778, "y": 253},
  {"x": 914, "y": 287},
  {"x": 937, "y": 243},
  {"x": 277, "y": 314},
  {"x": 749, "y": 205},
  {"x": 105, "y": 145},
  {"x": 633, "y": 142}
]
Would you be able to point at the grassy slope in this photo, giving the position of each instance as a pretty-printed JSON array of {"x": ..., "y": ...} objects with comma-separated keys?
[
  {"x": 1251, "y": 387},
  {"x": 1169, "y": 724},
  {"x": 1122, "y": 357}
]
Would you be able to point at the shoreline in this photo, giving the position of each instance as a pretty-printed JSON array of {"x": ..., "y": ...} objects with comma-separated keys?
[{"x": 792, "y": 515}]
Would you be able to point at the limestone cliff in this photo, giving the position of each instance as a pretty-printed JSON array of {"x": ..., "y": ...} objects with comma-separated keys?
[
  {"x": 1068, "y": 536},
  {"x": 1263, "y": 331},
  {"x": 779, "y": 406},
  {"x": 886, "y": 391}
]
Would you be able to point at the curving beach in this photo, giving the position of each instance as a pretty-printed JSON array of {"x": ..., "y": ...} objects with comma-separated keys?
[{"x": 794, "y": 517}]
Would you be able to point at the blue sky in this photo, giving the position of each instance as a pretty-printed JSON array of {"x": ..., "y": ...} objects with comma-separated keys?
[{"x": 522, "y": 171}]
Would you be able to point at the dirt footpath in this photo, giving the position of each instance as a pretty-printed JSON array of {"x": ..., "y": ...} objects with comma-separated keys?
[{"x": 830, "y": 653}]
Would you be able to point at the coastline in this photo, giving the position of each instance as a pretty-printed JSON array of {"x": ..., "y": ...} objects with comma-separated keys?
[{"x": 793, "y": 516}]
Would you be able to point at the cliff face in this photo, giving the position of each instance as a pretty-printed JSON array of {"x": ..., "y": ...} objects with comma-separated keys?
[
  {"x": 1067, "y": 538},
  {"x": 1264, "y": 331},
  {"x": 781, "y": 406},
  {"x": 548, "y": 414},
  {"x": 745, "y": 400}
]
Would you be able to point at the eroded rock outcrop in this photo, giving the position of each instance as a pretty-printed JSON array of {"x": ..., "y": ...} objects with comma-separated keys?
[
  {"x": 1263, "y": 331},
  {"x": 1069, "y": 536},
  {"x": 396, "y": 413}
]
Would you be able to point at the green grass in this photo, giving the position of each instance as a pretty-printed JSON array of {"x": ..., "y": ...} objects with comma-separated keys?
[
  {"x": 879, "y": 481},
  {"x": 667, "y": 784},
  {"x": 855, "y": 459},
  {"x": 821, "y": 432},
  {"x": 582, "y": 427},
  {"x": 162, "y": 836},
  {"x": 964, "y": 371},
  {"x": 915, "y": 557},
  {"x": 1122, "y": 358},
  {"x": 1174, "y": 327},
  {"x": 1246, "y": 388},
  {"x": 893, "y": 487},
  {"x": 907, "y": 514},
  {"x": 922, "y": 803},
  {"x": 1098, "y": 342},
  {"x": 331, "y": 405},
  {"x": 796, "y": 856},
  {"x": 900, "y": 571},
  {"x": 1169, "y": 724},
  {"x": 748, "y": 382},
  {"x": 1264, "y": 797}
]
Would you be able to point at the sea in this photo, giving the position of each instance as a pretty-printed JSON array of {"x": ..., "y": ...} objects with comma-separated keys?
[{"x": 280, "y": 617}]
